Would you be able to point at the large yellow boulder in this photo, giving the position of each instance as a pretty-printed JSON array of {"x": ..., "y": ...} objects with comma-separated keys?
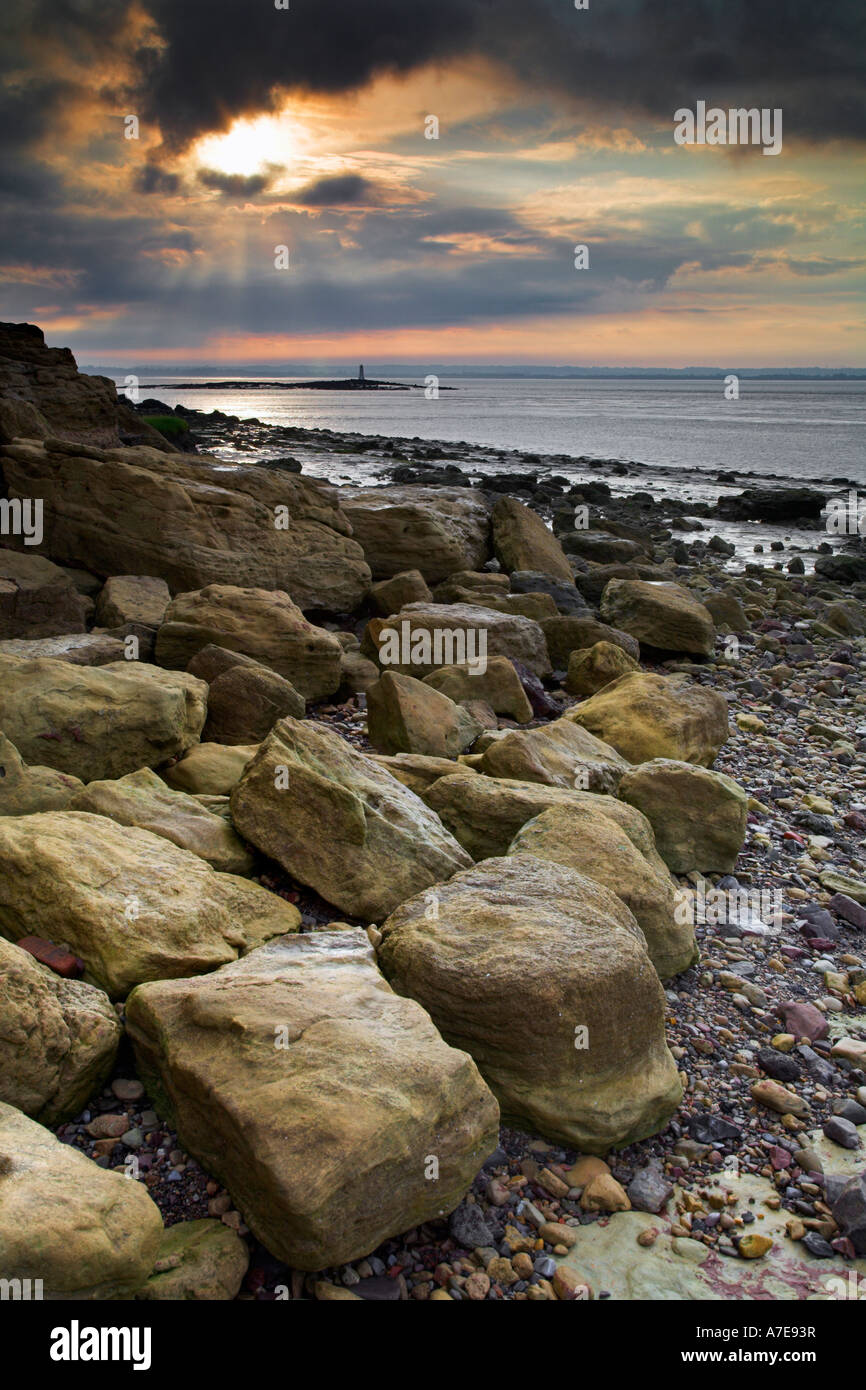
[
  {"x": 132, "y": 905},
  {"x": 560, "y": 754},
  {"x": 699, "y": 817},
  {"x": 660, "y": 615},
  {"x": 261, "y": 623},
  {"x": 485, "y": 813},
  {"x": 142, "y": 799},
  {"x": 85, "y": 1232},
  {"x": 329, "y": 1107},
  {"x": 58, "y": 1038},
  {"x": 405, "y": 715},
  {"x": 647, "y": 716},
  {"x": 98, "y": 721},
  {"x": 582, "y": 839},
  {"x": 338, "y": 822},
  {"x": 543, "y": 976}
]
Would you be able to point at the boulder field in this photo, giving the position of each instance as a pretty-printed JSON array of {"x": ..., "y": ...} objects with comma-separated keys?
[{"x": 407, "y": 891}]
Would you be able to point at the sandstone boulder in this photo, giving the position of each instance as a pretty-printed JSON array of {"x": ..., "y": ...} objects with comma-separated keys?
[
  {"x": 553, "y": 755},
  {"x": 338, "y": 822},
  {"x": 486, "y": 815},
  {"x": 142, "y": 799},
  {"x": 315, "y": 1095},
  {"x": 647, "y": 716},
  {"x": 78, "y": 648},
  {"x": 727, "y": 612},
  {"x": 210, "y": 769},
  {"x": 132, "y": 905},
  {"x": 132, "y": 598},
  {"x": 521, "y": 541},
  {"x": 699, "y": 817},
  {"x": 542, "y": 975},
  {"x": 198, "y": 1261},
  {"x": 593, "y": 844},
  {"x": 245, "y": 702},
  {"x": 260, "y": 623},
  {"x": 406, "y": 716},
  {"x": 85, "y": 1231},
  {"x": 389, "y": 595},
  {"x": 417, "y": 771},
  {"x": 436, "y": 530},
  {"x": 100, "y": 721},
  {"x": 58, "y": 1038},
  {"x": 423, "y": 637},
  {"x": 36, "y": 598},
  {"x": 592, "y": 668},
  {"x": 471, "y": 586},
  {"x": 660, "y": 615},
  {"x": 498, "y": 684},
  {"x": 567, "y": 634},
  {"x": 24, "y": 790}
]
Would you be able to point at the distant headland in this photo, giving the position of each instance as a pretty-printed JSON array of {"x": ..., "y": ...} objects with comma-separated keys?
[{"x": 352, "y": 383}]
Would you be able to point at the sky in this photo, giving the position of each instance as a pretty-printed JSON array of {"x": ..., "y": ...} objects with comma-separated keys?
[{"x": 229, "y": 181}]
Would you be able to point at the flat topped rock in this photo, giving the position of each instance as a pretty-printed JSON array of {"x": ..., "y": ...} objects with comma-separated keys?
[
  {"x": 132, "y": 905},
  {"x": 328, "y": 1106},
  {"x": 81, "y": 648}
]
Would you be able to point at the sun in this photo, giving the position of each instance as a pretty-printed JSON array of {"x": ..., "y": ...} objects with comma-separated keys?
[{"x": 250, "y": 145}]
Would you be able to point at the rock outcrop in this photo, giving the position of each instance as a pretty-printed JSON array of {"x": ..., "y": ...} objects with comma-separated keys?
[
  {"x": 190, "y": 521},
  {"x": 43, "y": 393}
]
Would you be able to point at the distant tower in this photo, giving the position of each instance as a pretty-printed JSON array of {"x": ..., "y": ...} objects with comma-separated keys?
[{"x": 361, "y": 372}]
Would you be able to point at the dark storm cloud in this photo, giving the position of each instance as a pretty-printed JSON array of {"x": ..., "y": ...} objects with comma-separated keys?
[
  {"x": 236, "y": 185},
  {"x": 340, "y": 191},
  {"x": 153, "y": 179},
  {"x": 224, "y": 58}
]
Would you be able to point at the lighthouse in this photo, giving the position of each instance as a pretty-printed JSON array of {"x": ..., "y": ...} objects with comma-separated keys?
[{"x": 361, "y": 372}]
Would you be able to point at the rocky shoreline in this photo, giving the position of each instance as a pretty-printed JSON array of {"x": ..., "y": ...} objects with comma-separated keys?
[{"x": 527, "y": 966}]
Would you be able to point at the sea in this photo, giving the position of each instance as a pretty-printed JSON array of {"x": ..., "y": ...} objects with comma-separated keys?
[{"x": 793, "y": 431}]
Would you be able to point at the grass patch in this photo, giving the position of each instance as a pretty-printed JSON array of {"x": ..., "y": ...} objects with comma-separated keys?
[{"x": 169, "y": 425}]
